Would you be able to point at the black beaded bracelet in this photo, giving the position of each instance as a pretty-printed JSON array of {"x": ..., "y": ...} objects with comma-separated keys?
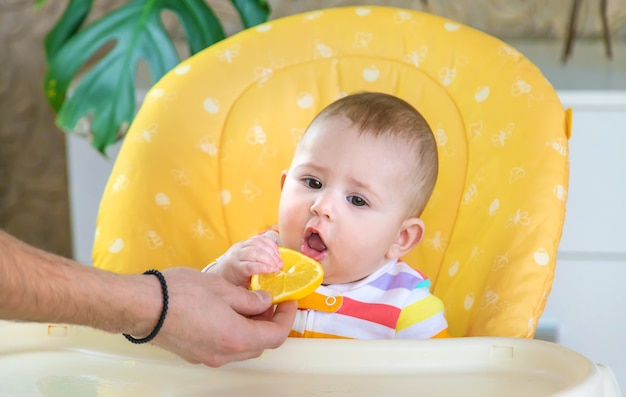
[{"x": 163, "y": 312}]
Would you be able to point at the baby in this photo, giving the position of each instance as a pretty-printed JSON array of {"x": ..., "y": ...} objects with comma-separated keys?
[{"x": 360, "y": 178}]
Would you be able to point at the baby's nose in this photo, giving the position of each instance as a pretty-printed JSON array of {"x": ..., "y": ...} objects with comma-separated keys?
[{"x": 323, "y": 207}]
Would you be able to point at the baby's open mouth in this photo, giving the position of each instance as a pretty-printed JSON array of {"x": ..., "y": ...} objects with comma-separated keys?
[
  {"x": 315, "y": 242},
  {"x": 314, "y": 247}
]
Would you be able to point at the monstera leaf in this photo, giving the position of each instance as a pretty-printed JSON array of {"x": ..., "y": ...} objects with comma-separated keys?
[{"x": 102, "y": 94}]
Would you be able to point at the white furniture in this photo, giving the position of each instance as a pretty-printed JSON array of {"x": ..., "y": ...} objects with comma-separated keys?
[
  {"x": 56, "y": 359},
  {"x": 587, "y": 299}
]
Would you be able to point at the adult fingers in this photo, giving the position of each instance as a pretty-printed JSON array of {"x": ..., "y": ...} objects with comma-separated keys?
[
  {"x": 285, "y": 314},
  {"x": 250, "y": 337},
  {"x": 273, "y": 333},
  {"x": 265, "y": 316}
]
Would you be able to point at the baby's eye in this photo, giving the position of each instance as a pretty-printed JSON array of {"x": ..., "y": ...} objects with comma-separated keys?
[
  {"x": 313, "y": 183},
  {"x": 357, "y": 201}
]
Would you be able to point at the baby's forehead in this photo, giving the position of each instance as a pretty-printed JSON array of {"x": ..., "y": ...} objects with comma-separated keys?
[
  {"x": 330, "y": 126},
  {"x": 393, "y": 147},
  {"x": 368, "y": 144}
]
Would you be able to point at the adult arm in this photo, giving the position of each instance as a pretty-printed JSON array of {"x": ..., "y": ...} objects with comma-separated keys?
[{"x": 209, "y": 320}]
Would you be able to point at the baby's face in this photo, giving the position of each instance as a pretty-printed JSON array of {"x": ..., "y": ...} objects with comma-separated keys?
[{"x": 344, "y": 199}]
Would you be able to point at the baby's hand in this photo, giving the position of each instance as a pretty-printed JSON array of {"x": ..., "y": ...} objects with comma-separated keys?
[{"x": 258, "y": 255}]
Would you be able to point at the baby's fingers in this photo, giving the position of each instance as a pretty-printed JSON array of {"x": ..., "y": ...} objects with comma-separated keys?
[{"x": 266, "y": 253}]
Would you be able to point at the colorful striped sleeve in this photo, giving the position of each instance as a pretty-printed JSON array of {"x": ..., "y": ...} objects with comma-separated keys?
[{"x": 422, "y": 318}]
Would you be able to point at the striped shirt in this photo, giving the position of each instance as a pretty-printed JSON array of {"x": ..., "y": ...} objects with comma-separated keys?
[{"x": 392, "y": 303}]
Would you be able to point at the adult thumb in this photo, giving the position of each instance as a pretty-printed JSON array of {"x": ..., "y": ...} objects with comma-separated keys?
[{"x": 249, "y": 303}]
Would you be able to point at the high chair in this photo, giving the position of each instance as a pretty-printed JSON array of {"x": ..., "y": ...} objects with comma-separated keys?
[{"x": 200, "y": 166}]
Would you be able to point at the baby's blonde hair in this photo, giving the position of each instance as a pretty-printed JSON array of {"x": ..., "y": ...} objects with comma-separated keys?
[{"x": 384, "y": 115}]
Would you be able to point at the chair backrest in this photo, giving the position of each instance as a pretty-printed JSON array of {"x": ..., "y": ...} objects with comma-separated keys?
[{"x": 199, "y": 168}]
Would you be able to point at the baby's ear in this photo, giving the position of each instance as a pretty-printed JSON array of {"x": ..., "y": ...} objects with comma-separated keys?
[
  {"x": 283, "y": 176},
  {"x": 410, "y": 234}
]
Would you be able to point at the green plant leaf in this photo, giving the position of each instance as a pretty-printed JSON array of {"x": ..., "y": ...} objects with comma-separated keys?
[
  {"x": 104, "y": 95},
  {"x": 75, "y": 14},
  {"x": 252, "y": 12}
]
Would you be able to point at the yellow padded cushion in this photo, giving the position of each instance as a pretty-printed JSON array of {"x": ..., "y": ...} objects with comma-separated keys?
[{"x": 200, "y": 166}]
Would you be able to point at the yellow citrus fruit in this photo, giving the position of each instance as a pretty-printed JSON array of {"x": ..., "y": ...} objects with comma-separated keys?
[{"x": 299, "y": 277}]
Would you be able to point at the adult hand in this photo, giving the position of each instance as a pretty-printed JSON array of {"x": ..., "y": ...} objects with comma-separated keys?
[{"x": 213, "y": 322}]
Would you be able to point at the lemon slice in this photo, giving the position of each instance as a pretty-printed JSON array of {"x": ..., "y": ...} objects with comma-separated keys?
[{"x": 299, "y": 277}]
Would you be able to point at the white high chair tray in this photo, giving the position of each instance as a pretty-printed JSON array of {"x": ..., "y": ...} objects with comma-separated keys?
[{"x": 64, "y": 360}]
